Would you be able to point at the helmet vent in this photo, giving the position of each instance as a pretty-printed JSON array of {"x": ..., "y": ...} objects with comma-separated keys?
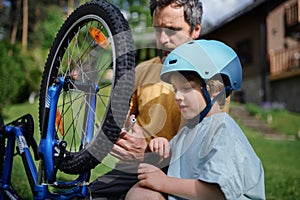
[
  {"x": 171, "y": 62},
  {"x": 206, "y": 72}
]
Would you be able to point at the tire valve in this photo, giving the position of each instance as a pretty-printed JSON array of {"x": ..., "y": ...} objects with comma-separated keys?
[{"x": 132, "y": 122}]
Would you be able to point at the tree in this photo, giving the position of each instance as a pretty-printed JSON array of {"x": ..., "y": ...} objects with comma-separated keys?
[
  {"x": 15, "y": 13},
  {"x": 139, "y": 13},
  {"x": 33, "y": 24},
  {"x": 25, "y": 24}
]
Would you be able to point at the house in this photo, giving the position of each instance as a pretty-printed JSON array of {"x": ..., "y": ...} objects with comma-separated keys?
[{"x": 266, "y": 37}]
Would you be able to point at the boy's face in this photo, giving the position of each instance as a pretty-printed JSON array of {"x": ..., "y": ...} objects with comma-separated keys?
[
  {"x": 188, "y": 96},
  {"x": 171, "y": 29}
]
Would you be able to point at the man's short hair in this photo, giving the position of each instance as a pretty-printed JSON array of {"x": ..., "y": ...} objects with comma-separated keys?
[{"x": 192, "y": 9}]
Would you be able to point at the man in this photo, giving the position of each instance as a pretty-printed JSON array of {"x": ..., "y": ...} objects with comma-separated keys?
[{"x": 175, "y": 22}]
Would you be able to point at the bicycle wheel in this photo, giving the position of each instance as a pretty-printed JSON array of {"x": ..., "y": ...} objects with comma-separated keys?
[{"x": 94, "y": 46}]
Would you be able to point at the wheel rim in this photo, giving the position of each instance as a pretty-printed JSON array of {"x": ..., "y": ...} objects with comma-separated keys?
[{"x": 84, "y": 62}]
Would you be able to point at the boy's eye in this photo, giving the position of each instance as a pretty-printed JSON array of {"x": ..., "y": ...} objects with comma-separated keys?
[
  {"x": 187, "y": 89},
  {"x": 184, "y": 89}
]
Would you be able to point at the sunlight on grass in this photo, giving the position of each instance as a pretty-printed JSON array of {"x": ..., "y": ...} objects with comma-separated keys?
[{"x": 282, "y": 120}]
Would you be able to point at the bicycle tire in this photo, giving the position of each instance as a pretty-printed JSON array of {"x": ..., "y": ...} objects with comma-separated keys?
[{"x": 116, "y": 29}]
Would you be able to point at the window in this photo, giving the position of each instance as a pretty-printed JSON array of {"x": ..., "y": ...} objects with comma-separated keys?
[{"x": 244, "y": 51}]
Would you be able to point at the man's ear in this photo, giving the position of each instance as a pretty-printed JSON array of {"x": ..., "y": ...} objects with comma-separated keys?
[{"x": 196, "y": 32}]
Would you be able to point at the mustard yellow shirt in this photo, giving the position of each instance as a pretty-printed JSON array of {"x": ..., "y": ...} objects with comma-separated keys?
[{"x": 153, "y": 102}]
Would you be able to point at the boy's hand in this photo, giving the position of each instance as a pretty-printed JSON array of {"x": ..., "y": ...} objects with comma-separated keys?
[
  {"x": 160, "y": 146},
  {"x": 151, "y": 176}
]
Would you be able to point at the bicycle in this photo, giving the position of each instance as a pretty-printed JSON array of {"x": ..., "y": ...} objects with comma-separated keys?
[{"x": 84, "y": 98}]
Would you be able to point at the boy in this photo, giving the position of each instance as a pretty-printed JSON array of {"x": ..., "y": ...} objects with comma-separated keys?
[{"x": 211, "y": 157}]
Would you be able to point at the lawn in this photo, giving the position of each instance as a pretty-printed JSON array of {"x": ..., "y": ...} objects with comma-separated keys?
[
  {"x": 282, "y": 120},
  {"x": 280, "y": 158},
  {"x": 281, "y": 161}
]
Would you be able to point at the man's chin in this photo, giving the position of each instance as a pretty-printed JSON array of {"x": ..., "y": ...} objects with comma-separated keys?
[
  {"x": 163, "y": 59},
  {"x": 163, "y": 56}
]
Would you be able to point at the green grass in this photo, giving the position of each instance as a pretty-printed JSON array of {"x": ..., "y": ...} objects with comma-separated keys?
[
  {"x": 281, "y": 120},
  {"x": 281, "y": 159}
]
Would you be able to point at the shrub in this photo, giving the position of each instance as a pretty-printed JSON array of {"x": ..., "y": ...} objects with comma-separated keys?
[
  {"x": 11, "y": 75},
  {"x": 19, "y": 74}
]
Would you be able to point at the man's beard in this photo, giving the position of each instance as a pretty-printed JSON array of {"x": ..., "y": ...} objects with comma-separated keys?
[{"x": 163, "y": 53}]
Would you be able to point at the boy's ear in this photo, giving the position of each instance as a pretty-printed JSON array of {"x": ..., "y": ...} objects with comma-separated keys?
[
  {"x": 196, "y": 32},
  {"x": 211, "y": 93},
  {"x": 208, "y": 90}
]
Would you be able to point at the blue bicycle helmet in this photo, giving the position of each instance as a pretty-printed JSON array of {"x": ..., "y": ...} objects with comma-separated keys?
[{"x": 208, "y": 58}]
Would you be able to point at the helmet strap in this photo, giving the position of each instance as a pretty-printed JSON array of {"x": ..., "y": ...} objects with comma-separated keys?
[{"x": 209, "y": 102}]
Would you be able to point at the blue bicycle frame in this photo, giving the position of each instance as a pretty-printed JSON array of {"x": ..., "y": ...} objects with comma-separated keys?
[{"x": 46, "y": 150}]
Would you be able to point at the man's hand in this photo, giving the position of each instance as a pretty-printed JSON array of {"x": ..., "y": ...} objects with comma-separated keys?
[{"x": 131, "y": 145}]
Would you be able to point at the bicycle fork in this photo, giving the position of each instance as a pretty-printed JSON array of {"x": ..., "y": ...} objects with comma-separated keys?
[{"x": 46, "y": 142}]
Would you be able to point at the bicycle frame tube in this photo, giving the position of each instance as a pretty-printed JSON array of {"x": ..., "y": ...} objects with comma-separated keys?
[
  {"x": 90, "y": 110},
  {"x": 46, "y": 146},
  {"x": 8, "y": 159},
  {"x": 16, "y": 134}
]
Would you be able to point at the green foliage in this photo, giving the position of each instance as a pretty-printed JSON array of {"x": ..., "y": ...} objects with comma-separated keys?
[
  {"x": 21, "y": 70},
  {"x": 47, "y": 29},
  {"x": 19, "y": 74},
  {"x": 253, "y": 109},
  {"x": 138, "y": 10},
  {"x": 11, "y": 79}
]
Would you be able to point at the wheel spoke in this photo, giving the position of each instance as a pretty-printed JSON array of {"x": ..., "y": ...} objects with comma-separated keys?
[{"x": 84, "y": 56}]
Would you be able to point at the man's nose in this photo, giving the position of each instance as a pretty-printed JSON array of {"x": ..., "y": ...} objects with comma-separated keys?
[{"x": 163, "y": 38}]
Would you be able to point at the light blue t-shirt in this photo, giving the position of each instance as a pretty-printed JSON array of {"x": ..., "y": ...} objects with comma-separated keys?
[{"x": 217, "y": 151}]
